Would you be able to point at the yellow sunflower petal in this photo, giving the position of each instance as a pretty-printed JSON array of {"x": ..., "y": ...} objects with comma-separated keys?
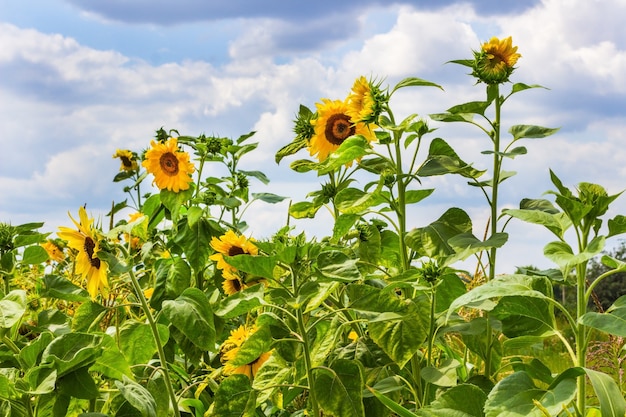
[{"x": 171, "y": 168}]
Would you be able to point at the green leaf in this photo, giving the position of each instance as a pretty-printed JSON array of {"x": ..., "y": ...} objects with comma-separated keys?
[
  {"x": 501, "y": 286},
  {"x": 447, "y": 117},
  {"x": 466, "y": 244},
  {"x": 612, "y": 403},
  {"x": 137, "y": 342},
  {"x": 56, "y": 286},
  {"x": 258, "y": 175},
  {"x": 255, "y": 265},
  {"x": 88, "y": 316},
  {"x": 432, "y": 240},
  {"x": 531, "y": 132},
  {"x": 617, "y": 225},
  {"x": 350, "y": 150},
  {"x": 398, "y": 326},
  {"x": 235, "y": 398},
  {"x": 415, "y": 196},
  {"x": 173, "y": 201},
  {"x": 173, "y": 276},
  {"x": 195, "y": 240},
  {"x": 355, "y": 201},
  {"x": 304, "y": 209},
  {"x": 513, "y": 397},
  {"x": 392, "y": 405},
  {"x": 304, "y": 165},
  {"x": 138, "y": 397},
  {"x": 337, "y": 266},
  {"x": 343, "y": 224},
  {"x": 414, "y": 82},
  {"x": 78, "y": 384},
  {"x": 29, "y": 355},
  {"x": 562, "y": 254},
  {"x": 191, "y": 314},
  {"x": 443, "y": 376},
  {"x": 463, "y": 400},
  {"x": 274, "y": 372},
  {"x": 253, "y": 347},
  {"x": 268, "y": 197},
  {"x": 290, "y": 149},
  {"x": 541, "y": 212},
  {"x": 242, "y": 302},
  {"x": 111, "y": 363},
  {"x": 338, "y": 388},
  {"x": 475, "y": 107},
  {"x": 34, "y": 254},
  {"x": 613, "y": 322},
  {"x": 443, "y": 160},
  {"x": 517, "y": 87},
  {"x": 12, "y": 308},
  {"x": 520, "y": 150},
  {"x": 72, "y": 351}
]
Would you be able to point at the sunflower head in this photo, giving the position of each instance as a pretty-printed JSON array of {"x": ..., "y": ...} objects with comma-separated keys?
[
  {"x": 231, "y": 244},
  {"x": 86, "y": 244},
  {"x": 366, "y": 101},
  {"x": 494, "y": 63},
  {"x": 7, "y": 234},
  {"x": 54, "y": 250},
  {"x": 245, "y": 351},
  {"x": 128, "y": 160},
  {"x": 171, "y": 168},
  {"x": 332, "y": 126}
]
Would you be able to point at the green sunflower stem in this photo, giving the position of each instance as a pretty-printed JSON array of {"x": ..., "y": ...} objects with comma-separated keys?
[
  {"x": 307, "y": 362},
  {"x": 497, "y": 166},
  {"x": 157, "y": 339}
]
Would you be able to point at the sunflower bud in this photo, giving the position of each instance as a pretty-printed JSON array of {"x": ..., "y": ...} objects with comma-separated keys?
[
  {"x": 7, "y": 234},
  {"x": 494, "y": 63}
]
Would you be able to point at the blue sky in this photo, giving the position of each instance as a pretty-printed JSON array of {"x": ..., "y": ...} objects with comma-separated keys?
[{"x": 81, "y": 79}]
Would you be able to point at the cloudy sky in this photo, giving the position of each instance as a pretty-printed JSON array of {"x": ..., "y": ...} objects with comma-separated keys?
[{"x": 80, "y": 79}]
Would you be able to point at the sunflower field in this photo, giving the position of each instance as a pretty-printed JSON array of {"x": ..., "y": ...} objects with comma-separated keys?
[{"x": 171, "y": 309}]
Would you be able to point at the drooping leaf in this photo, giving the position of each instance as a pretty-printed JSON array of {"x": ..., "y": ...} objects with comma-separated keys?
[
  {"x": 12, "y": 308},
  {"x": 138, "y": 397},
  {"x": 268, "y": 197},
  {"x": 414, "y": 82},
  {"x": 432, "y": 240},
  {"x": 337, "y": 266},
  {"x": 72, "y": 351},
  {"x": 443, "y": 160}
]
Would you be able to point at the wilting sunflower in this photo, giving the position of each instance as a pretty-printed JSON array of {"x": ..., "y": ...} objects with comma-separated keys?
[
  {"x": 495, "y": 62},
  {"x": 332, "y": 126},
  {"x": 128, "y": 159},
  {"x": 85, "y": 242},
  {"x": 55, "y": 252},
  {"x": 171, "y": 168},
  {"x": 231, "y": 244},
  {"x": 365, "y": 101},
  {"x": 233, "y": 357}
]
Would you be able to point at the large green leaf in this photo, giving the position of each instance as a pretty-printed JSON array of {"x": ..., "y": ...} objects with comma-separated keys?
[
  {"x": 138, "y": 397},
  {"x": 466, "y": 244},
  {"x": 337, "y": 266},
  {"x": 443, "y": 160},
  {"x": 255, "y": 265},
  {"x": 111, "y": 363},
  {"x": 87, "y": 316},
  {"x": 173, "y": 276},
  {"x": 79, "y": 384},
  {"x": 194, "y": 240},
  {"x": 541, "y": 212},
  {"x": 137, "y": 342},
  {"x": 612, "y": 403},
  {"x": 191, "y": 314},
  {"x": 72, "y": 351},
  {"x": 350, "y": 149},
  {"x": 463, "y": 400},
  {"x": 34, "y": 254},
  {"x": 398, "y": 326},
  {"x": 174, "y": 201},
  {"x": 515, "y": 396},
  {"x": 355, "y": 201},
  {"x": 432, "y": 240},
  {"x": 240, "y": 303},
  {"x": 414, "y": 82},
  {"x": 235, "y": 398},
  {"x": 484, "y": 297},
  {"x": 339, "y": 388},
  {"x": 273, "y": 373},
  {"x": 612, "y": 322},
  {"x": 562, "y": 254},
  {"x": 253, "y": 347},
  {"x": 57, "y": 286},
  {"x": 12, "y": 308}
]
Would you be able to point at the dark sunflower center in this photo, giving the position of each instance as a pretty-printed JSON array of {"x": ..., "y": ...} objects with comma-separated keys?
[
  {"x": 169, "y": 163},
  {"x": 237, "y": 285},
  {"x": 235, "y": 250},
  {"x": 338, "y": 129},
  {"x": 89, "y": 247},
  {"x": 126, "y": 161}
]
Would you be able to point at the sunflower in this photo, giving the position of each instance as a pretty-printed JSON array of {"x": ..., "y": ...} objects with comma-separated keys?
[
  {"x": 494, "y": 63},
  {"x": 171, "y": 168},
  {"x": 233, "y": 286},
  {"x": 55, "y": 252},
  {"x": 127, "y": 158},
  {"x": 232, "y": 353},
  {"x": 231, "y": 244},
  {"x": 365, "y": 101},
  {"x": 332, "y": 126},
  {"x": 85, "y": 242}
]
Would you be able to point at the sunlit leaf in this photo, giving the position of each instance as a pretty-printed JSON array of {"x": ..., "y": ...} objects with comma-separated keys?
[
  {"x": 338, "y": 388},
  {"x": 531, "y": 132},
  {"x": 612, "y": 403},
  {"x": 191, "y": 314}
]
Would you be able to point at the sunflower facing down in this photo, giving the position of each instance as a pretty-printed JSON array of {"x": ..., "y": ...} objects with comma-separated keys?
[
  {"x": 171, "y": 168},
  {"x": 240, "y": 359},
  {"x": 332, "y": 126},
  {"x": 85, "y": 242},
  {"x": 231, "y": 244},
  {"x": 494, "y": 64}
]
